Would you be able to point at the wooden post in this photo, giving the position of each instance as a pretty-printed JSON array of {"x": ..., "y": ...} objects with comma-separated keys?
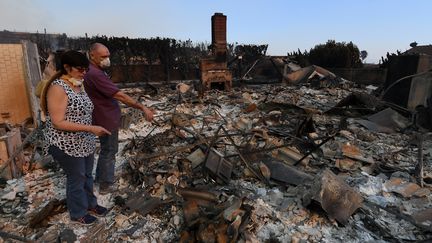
[
  {"x": 33, "y": 75},
  {"x": 8, "y": 145}
]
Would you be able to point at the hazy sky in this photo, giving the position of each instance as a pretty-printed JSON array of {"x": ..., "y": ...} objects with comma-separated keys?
[{"x": 377, "y": 26}]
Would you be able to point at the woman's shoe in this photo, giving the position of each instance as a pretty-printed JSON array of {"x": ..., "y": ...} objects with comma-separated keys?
[
  {"x": 85, "y": 220},
  {"x": 98, "y": 211}
]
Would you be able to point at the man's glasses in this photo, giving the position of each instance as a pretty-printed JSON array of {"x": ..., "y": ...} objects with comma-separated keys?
[{"x": 81, "y": 69}]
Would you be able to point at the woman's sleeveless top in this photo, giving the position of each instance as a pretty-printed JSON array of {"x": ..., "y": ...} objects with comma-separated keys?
[{"x": 79, "y": 110}]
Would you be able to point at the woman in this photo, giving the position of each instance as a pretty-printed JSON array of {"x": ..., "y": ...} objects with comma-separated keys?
[{"x": 71, "y": 137}]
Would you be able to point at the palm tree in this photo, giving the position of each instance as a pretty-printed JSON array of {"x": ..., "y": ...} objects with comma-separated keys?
[{"x": 363, "y": 55}]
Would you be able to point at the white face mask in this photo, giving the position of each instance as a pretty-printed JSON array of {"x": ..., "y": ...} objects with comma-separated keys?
[
  {"x": 76, "y": 82},
  {"x": 105, "y": 63}
]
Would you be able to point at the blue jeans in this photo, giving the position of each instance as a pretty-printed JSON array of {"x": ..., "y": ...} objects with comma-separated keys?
[
  {"x": 79, "y": 181},
  {"x": 106, "y": 163}
]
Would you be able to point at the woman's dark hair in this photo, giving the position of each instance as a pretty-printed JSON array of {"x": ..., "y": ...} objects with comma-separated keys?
[{"x": 73, "y": 59}]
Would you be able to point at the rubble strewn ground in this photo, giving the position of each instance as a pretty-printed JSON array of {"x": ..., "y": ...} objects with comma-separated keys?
[{"x": 275, "y": 148}]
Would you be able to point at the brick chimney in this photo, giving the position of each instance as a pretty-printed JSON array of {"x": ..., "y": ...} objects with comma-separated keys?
[
  {"x": 214, "y": 71},
  {"x": 219, "y": 40}
]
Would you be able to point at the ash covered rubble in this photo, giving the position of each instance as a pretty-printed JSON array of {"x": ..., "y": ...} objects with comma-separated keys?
[{"x": 267, "y": 163}]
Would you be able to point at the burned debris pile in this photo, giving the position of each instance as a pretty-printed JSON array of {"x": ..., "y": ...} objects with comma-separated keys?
[{"x": 268, "y": 163}]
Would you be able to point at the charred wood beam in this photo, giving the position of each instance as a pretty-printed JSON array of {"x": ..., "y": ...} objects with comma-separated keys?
[
  {"x": 6, "y": 235},
  {"x": 45, "y": 212},
  {"x": 19, "y": 149},
  {"x": 419, "y": 166}
]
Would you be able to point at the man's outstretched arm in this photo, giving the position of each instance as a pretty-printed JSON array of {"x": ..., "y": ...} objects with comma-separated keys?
[{"x": 131, "y": 102}]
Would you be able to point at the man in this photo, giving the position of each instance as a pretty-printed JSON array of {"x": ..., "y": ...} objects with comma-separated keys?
[{"x": 105, "y": 96}]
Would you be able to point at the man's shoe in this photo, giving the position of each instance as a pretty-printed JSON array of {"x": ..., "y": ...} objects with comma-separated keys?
[
  {"x": 106, "y": 188},
  {"x": 98, "y": 211},
  {"x": 85, "y": 220}
]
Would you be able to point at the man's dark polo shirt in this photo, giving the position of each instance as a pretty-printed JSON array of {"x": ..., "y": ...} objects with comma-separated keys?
[{"x": 101, "y": 89}]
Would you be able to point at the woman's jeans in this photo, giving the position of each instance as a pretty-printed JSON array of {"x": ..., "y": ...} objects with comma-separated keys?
[{"x": 79, "y": 181}]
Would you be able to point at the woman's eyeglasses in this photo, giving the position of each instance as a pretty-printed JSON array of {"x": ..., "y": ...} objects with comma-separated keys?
[{"x": 81, "y": 69}]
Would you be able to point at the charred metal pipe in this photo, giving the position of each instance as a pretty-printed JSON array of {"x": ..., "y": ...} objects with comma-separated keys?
[
  {"x": 190, "y": 193},
  {"x": 402, "y": 79}
]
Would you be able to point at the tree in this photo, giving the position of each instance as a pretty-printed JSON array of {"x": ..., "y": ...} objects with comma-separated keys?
[
  {"x": 335, "y": 55},
  {"x": 251, "y": 53},
  {"x": 385, "y": 61},
  {"x": 301, "y": 58},
  {"x": 413, "y": 44}
]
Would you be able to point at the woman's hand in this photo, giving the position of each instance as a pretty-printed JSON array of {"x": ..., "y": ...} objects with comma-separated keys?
[{"x": 99, "y": 131}]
